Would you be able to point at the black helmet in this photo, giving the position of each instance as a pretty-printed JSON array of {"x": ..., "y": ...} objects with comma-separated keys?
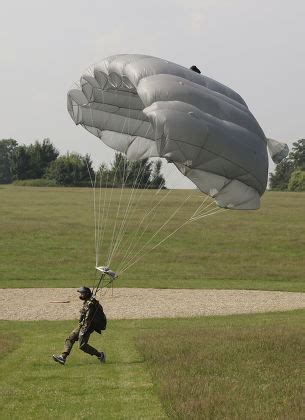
[
  {"x": 85, "y": 291},
  {"x": 195, "y": 68}
]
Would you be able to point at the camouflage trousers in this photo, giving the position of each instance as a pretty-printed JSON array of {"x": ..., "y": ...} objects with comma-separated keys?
[{"x": 82, "y": 338}]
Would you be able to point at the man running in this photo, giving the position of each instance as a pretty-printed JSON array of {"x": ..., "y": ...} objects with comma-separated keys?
[{"x": 92, "y": 318}]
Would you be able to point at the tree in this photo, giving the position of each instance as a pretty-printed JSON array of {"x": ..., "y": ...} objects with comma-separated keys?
[
  {"x": 139, "y": 173},
  {"x": 7, "y": 147},
  {"x": 20, "y": 162},
  {"x": 297, "y": 181},
  {"x": 298, "y": 154},
  {"x": 118, "y": 170},
  {"x": 280, "y": 178},
  {"x": 134, "y": 174},
  {"x": 157, "y": 179},
  {"x": 32, "y": 162},
  {"x": 71, "y": 169},
  {"x": 103, "y": 176},
  {"x": 41, "y": 155}
]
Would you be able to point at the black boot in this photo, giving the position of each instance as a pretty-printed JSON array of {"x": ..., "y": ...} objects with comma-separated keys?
[
  {"x": 59, "y": 358},
  {"x": 102, "y": 357}
]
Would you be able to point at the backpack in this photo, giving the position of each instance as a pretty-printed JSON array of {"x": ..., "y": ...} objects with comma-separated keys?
[{"x": 99, "y": 321}]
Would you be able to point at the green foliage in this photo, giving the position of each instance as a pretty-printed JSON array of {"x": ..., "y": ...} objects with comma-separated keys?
[
  {"x": 280, "y": 179},
  {"x": 157, "y": 179},
  {"x": 32, "y": 162},
  {"x": 71, "y": 169},
  {"x": 297, "y": 181},
  {"x": 7, "y": 148},
  {"x": 133, "y": 174},
  {"x": 40, "y": 160},
  {"x": 20, "y": 163},
  {"x": 138, "y": 173},
  {"x": 40, "y": 182},
  {"x": 298, "y": 154},
  {"x": 238, "y": 367}
]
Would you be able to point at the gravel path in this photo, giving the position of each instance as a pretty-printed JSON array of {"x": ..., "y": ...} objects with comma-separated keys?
[{"x": 127, "y": 303}]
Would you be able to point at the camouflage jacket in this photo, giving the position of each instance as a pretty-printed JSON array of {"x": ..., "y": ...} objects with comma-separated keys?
[{"x": 92, "y": 317}]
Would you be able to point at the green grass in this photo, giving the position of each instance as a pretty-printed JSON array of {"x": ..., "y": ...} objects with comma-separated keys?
[
  {"x": 34, "y": 387},
  {"x": 47, "y": 240},
  {"x": 8, "y": 343},
  {"x": 243, "y": 366}
]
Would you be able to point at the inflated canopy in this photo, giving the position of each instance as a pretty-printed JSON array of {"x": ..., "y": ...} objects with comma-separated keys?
[{"x": 148, "y": 107}]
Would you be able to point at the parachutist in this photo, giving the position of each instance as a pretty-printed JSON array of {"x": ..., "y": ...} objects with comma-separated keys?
[{"x": 92, "y": 318}]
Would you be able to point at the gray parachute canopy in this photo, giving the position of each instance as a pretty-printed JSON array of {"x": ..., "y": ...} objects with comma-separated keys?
[{"x": 148, "y": 107}]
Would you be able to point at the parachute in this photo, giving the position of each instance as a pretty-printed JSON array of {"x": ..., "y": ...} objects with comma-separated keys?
[{"x": 146, "y": 107}]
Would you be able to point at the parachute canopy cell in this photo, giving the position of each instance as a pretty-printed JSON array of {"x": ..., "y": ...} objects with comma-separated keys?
[{"x": 145, "y": 107}]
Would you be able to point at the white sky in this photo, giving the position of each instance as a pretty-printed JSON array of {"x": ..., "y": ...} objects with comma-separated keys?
[{"x": 255, "y": 47}]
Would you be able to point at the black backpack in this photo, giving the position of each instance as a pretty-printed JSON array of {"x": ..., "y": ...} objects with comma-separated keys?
[{"x": 99, "y": 321}]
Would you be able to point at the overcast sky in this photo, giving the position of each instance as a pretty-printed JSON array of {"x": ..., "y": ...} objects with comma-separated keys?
[{"x": 255, "y": 47}]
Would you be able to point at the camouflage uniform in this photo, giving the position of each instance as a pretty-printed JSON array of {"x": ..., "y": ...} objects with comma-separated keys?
[{"x": 87, "y": 324}]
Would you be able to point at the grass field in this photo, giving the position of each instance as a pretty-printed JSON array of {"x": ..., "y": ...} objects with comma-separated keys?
[
  {"x": 47, "y": 240},
  {"x": 246, "y": 366}
]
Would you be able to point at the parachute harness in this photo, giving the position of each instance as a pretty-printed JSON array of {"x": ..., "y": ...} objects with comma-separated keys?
[{"x": 103, "y": 272}]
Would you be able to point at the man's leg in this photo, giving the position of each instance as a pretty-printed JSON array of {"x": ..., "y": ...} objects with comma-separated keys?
[
  {"x": 70, "y": 340},
  {"x": 84, "y": 346}
]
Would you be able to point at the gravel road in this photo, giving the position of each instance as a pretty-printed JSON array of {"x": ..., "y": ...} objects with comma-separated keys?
[{"x": 129, "y": 303}]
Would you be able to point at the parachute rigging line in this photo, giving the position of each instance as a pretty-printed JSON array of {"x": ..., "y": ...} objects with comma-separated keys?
[
  {"x": 109, "y": 205},
  {"x": 112, "y": 245},
  {"x": 164, "y": 224},
  {"x": 131, "y": 263},
  {"x": 140, "y": 172},
  {"x": 138, "y": 234},
  {"x": 131, "y": 257}
]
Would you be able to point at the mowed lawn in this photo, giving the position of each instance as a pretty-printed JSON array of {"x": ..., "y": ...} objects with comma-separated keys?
[
  {"x": 47, "y": 240},
  {"x": 245, "y": 366}
]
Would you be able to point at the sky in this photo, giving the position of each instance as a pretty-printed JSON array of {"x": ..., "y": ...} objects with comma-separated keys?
[{"x": 256, "y": 48}]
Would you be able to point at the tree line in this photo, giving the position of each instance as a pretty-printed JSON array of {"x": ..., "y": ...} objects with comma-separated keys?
[
  {"x": 289, "y": 175},
  {"x": 42, "y": 162}
]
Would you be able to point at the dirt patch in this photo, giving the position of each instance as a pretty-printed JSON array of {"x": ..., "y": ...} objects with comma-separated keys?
[{"x": 127, "y": 303}]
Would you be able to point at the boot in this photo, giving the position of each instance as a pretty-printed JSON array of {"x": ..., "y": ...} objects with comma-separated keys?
[
  {"x": 102, "y": 357},
  {"x": 59, "y": 358}
]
